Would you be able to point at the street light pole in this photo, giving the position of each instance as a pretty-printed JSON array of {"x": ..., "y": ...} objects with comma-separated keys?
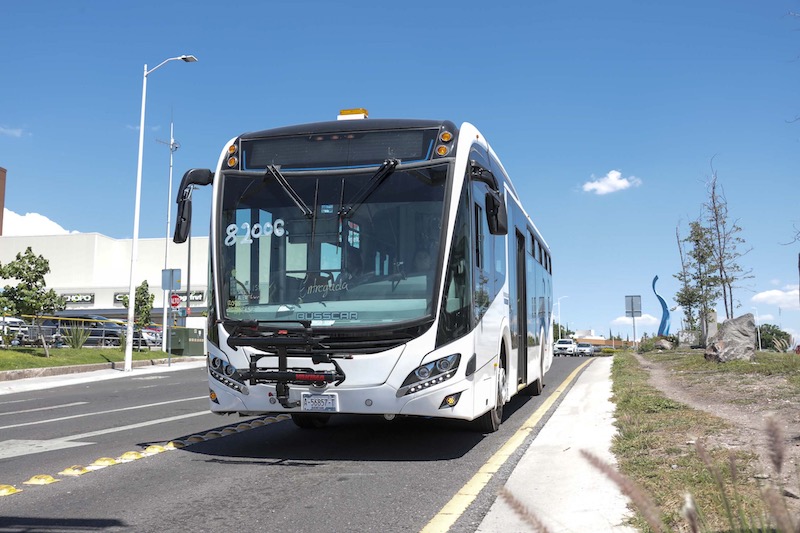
[
  {"x": 136, "y": 208},
  {"x": 173, "y": 146}
]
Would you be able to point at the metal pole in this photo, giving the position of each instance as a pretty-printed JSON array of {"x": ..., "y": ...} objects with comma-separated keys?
[
  {"x": 136, "y": 208},
  {"x": 173, "y": 146},
  {"x": 135, "y": 240}
]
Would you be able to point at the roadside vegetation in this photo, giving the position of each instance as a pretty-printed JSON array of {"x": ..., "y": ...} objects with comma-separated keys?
[
  {"x": 664, "y": 448},
  {"x": 20, "y": 358}
]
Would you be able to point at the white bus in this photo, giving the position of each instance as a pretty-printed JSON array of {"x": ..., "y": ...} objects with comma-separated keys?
[{"x": 372, "y": 266}]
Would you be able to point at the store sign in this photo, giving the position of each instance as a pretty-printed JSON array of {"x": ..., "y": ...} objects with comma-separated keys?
[
  {"x": 197, "y": 296},
  {"x": 78, "y": 297}
]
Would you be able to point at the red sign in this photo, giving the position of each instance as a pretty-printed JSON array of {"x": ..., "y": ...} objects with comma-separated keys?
[{"x": 175, "y": 300}]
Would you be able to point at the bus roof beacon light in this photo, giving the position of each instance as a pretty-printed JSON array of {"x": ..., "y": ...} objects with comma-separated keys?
[{"x": 353, "y": 114}]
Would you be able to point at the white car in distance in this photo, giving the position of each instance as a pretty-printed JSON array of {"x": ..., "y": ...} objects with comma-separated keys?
[{"x": 565, "y": 347}]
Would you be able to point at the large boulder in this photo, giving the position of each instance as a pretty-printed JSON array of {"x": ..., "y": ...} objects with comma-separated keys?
[
  {"x": 663, "y": 344},
  {"x": 735, "y": 340}
]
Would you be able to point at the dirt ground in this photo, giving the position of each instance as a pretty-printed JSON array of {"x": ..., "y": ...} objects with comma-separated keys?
[{"x": 746, "y": 403}]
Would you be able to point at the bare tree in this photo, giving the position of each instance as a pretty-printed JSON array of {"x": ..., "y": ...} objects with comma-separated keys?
[{"x": 726, "y": 241}]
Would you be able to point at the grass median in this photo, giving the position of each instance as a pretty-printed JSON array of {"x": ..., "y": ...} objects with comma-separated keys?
[
  {"x": 21, "y": 358},
  {"x": 670, "y": 450}
]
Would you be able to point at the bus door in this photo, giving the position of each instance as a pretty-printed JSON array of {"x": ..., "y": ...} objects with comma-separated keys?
[{"x": 522, "y": 311}]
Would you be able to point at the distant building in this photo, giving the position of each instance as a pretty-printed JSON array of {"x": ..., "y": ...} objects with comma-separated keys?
[{"x": 92, "y": 271}]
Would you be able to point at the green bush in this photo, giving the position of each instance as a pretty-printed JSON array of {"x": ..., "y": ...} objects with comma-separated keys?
[
  {"x": 76, "y": 336},
  {"x": 647, "y": 345}
]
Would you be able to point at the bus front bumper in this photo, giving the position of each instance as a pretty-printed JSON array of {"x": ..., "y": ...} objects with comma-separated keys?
[{"x": 456, "y": 398}]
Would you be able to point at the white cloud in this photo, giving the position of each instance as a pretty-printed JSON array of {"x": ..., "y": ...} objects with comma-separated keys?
[
  {"x": 644, "y": 320},
  {"x": 15, "y": 225},
  {"x": 611, "y": 182},
  {"x": 786, "y": 298},
  {"x": 11, "y": 132}
]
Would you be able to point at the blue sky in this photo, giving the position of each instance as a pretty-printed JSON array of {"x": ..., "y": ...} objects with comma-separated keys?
[{"x": 627, "y": 98}]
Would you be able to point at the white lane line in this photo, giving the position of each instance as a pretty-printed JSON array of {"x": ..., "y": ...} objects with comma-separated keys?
[
  {"x": 44, "y": 408},
  {"x": 103, "y": 412},
  {"x": 134, "y": 426},
  {"x": 19, "y": 401},
  {"x": 16, "y": 448}
]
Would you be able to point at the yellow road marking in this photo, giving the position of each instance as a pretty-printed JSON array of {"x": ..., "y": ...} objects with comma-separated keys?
[{"x": 453, "y": 509}]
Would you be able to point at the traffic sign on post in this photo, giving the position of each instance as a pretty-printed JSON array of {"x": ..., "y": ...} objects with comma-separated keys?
[
  {"x": 171, "y": 279},
  {"x": 175, "y": 300}
]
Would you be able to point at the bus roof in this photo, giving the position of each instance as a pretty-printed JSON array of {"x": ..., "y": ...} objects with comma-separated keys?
[{"x": 350, "y": 125}]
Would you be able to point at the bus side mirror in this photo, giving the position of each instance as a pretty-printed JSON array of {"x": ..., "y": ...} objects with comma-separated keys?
[
  {"x": 496, "y": 214},
  {"x": 183, "y": 221}
]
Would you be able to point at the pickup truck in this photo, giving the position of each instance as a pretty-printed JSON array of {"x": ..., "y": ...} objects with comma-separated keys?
[{"x": 565, "y": 347}]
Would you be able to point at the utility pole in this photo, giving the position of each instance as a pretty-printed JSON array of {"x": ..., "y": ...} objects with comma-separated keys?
[{"x": 173, "y": 146}]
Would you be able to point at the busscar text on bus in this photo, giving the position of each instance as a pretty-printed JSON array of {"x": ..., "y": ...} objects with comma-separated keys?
[{"x": 371, "y": 266}]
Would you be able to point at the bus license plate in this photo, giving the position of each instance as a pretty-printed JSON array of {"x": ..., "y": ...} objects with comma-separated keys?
[{"x": 320, "y": 402}]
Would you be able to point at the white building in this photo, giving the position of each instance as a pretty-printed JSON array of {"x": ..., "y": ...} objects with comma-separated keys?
[{"x": 92, "y": 271}]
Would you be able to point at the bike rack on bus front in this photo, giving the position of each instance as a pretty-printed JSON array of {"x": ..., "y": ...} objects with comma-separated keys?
[{"x": 277, "y": 342}]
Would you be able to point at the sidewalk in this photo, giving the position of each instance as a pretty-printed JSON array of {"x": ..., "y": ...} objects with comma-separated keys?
[
  {"x": 554, "y": 482},
  {"x": 46, "y": 378}
]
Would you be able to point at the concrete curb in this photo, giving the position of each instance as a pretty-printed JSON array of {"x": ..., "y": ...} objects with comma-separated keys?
[{"x": 10, "y": 375}]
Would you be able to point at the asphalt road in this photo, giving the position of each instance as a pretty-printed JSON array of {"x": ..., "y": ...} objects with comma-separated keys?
[{"x": 357, "y": 474}]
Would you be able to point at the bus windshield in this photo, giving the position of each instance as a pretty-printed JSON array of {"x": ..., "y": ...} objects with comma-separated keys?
[{"x": 343, "y": 249}]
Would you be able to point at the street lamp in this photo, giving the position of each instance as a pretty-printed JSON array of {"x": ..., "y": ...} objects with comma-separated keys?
[
  {"x": 758, "y": 329},
  {"x": 559, "y": 315},
  {"x": 135, "y": 240},
  {"x": 173, "y": 146}
]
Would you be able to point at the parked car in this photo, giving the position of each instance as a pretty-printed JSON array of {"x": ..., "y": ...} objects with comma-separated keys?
[
  {"x": 564, "y": 347},
  {"x": 102, "y": 331},
  {"x": 584, "y": 349},
  {"x": 13, "y": 328}
]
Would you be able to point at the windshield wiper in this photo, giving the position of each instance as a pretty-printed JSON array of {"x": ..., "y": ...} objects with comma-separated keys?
[
  {"x": 281, "y": 179},
  {"x": 361, "y": 196}
]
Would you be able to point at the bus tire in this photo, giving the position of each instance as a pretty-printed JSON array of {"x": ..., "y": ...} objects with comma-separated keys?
[
  {"x": 310, "y": 421},
  {"x": 490, "y": 421},
  {"x": 536, "y": 388}
]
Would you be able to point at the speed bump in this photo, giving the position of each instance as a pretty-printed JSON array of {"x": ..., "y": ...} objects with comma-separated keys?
[
  {"x": 102, "y": 463},
  {"x": 154, "y": 449},
  {"x": 127, "y": 457},
  {"x": 76, "y": 470},
  {"x": 8, "y": 490},
  {"x": 41, "y": 479}
]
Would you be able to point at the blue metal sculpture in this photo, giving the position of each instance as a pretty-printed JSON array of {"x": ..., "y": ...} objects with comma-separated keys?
[{"x": 663, "y": 329}]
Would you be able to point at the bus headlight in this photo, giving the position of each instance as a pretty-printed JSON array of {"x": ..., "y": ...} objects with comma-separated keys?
[
  {"x": 430, "y": 374},
  {"x": 226, "y": 374}
]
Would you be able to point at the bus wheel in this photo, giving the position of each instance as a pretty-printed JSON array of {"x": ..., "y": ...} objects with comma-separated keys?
[
  {"x": 310, "y": 421},
  {"x": 489, "y": 422},
  {"x": 536, "y": 388}
]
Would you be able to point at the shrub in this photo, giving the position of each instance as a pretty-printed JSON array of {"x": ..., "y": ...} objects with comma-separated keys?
[{"x": 76, "y": 336}]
